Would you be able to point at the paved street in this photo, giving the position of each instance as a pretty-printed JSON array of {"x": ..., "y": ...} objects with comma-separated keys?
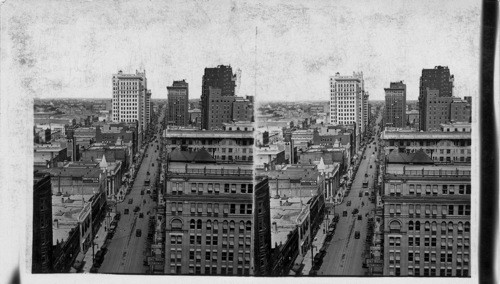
[
  {"x": 126, "y": 252},
  {"x": 344, "y": 254}
]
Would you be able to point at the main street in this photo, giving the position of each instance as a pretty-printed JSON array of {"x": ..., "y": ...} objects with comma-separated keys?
[
  {"x": 126, "y": 251},
  {"x": 345, "y": 253}
]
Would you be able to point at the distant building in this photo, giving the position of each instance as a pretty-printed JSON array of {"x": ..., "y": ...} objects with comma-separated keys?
[
  {"x": 217, "y": 82},
  {"x": 444, "y": 110},
  {"x": 426, "y": 217},
  {"x": 41, "y": 261},
  {"x": 195, "y": 117},
  {"x": 440, "y": 82},
  {"x": 412, "y": 119},
  {"x": 267, "y": 157},
  {"x": 131, "y": 100},
  {"x": 178, "y": 98},
  {"x": 395, "y": 105},
  {"x": 349, "y": 101}
]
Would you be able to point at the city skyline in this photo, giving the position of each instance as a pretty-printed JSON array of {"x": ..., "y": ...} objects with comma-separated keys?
[{"x": 53, "y": 64}]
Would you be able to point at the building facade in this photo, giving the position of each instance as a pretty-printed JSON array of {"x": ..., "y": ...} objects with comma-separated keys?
[
  {"x": 131, "y": 99},
  {"x": 178, "y": 99},
  {"x": 395, "y": 105},
  {"x": 438, "y": 79},
  {"x": 426, "y": 220},
  {"x": 349, "y": 101},
  {"x": 223, "y": 79},
  {"x": 42, "y": 224}
]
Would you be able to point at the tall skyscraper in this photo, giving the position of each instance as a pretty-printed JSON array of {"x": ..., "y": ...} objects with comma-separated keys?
[
  {"x": 178, "y": 104},
  {"x": 395, "y": 105},
  {"x": 131, "y": 99},
  {"x": 349, "y": 101},
  {"x": 42, "y": 224},
  {"x": 219, "y": 81},
  {"x": 437, "y": 79}
]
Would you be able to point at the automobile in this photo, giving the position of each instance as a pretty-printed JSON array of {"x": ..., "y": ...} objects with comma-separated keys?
[
  {"x": 371, "y": 166},
  {"x": 148, "y": 173},
  {"x": 142, "y": 192},
  {"x": 349, "y": 203},
  {"x": 138, "y": 233},
  {"x": 355, "y": 211},
  {"x": 357, "y": 235},
  {"x": 146, "y": 155},
  {"x": 360, "y": 217},
  {"x": 344, "y": 214},
  {"x": 125, "y": 211},
  {"x": 141, "y": 215},
  {"x": 130, "y": 201},
  {"x": 137, "y": 209},
  {"x": 366, "y": 175},
  {"x": 152, "y": 164},
  {"x": 360, "y": 194}
]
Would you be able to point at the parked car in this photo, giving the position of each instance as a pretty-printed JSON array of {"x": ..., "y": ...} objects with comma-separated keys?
[
  {"x": 137, "y": 209},
  {"x": 360, "y": 217},
  {"x": 357, "y": 235},
  {"x": 141, "y": 215},
  {"x": 138, "y": 233},
  {"x": 344, "y": 214},
  {"x": 355, "y": 211},
  {"x": 118, "y": 216},
  {"x": 125, "y": 211}
]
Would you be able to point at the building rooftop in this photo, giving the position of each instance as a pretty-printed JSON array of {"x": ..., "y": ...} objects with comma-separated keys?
[
  {"x": 429, "y": 170},
  {"x": 195, "y": 133},
  {"x": 425, "y": 135},
  {"x": 66, "y": 210},
  {"x": 284, "y": 217}
]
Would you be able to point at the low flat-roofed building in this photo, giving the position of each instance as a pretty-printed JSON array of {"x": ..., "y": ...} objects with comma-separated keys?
[
  {"x": 456, "y": 127},
  {"x": 48, "y": 154},
  {"x": 268, "y": 157},
  {"x": 441, "y": 147},
  {"x": 223, "y": 146}
]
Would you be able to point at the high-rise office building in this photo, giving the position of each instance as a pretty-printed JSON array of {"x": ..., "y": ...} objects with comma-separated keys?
[
  {"x": 213, "y": 226},
  {"x": 443, "y": 110},
  {"x": 349, "y": 101},
  {"x": 395, "y": 105},
  {"x": 220, "y": 82},
  {"x": 131, "y": 99},
  {"x": 178, "y": 104},
  {"x": 436, "y": 79},
  {"x": 42, "y": 224},
  {"x": 426, "y": 216}
]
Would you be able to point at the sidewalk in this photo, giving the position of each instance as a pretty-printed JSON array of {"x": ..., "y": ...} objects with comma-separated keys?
[
  {"x": 317, "y": 244},
  {"x": 99, "y": 240}
]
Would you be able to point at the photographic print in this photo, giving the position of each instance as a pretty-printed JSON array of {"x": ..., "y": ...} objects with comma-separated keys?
[{"x": 241, "y": 140}]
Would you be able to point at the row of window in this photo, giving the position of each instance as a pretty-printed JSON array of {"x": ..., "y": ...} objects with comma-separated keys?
[
  {"x": 211, "y": 208},
  {"x": 432, "y": 242},
  {"x": 177, "y": 269},
  {"x": 212, "y": 188},
  {"x": 443, "y": 272},
  {"x": 428, "y": 210},
  {"x": 418, "y": 189}
]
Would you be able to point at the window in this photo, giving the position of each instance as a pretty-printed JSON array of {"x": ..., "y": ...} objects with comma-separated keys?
[
  {"x": 467, "y": 210},
  {"x": 233, "y": 209},
  {"x": 198, "y": 224},
  {"x": 200, "y": 209},
  {"x": 250, "y": 187},
  {"x": 226, "y": 188},
  {"x": 445, "y": 189},
  {"x": 450, "y": 209},
  {"x": 243, "y": 188},
  {"x": 452, "y": 189},
  {"x": 428, "y": 189},
  {"x": 419, "y": 189},
  {"x": 192, "y": 224},
  {"x": 242, "y": 208},
  {"x": 410, "y": 226},
  {"x": 412, "y": 189},
  {"x": 233, "y": 188},
  {"x": 200, "y": 188},
  {"x": 217, "y": 188},
  {"x": 209, "y": 209},
  {"x": 411, "y": 209},
  {"x": 249, "y": 208},
  {"x": 417, "y": 226},
  {"x": 193, "y": 188},
  {"x": 210, "y": 188}
]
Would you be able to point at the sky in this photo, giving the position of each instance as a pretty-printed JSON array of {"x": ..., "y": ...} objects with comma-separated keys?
[{"x": 286, "y": 50}]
